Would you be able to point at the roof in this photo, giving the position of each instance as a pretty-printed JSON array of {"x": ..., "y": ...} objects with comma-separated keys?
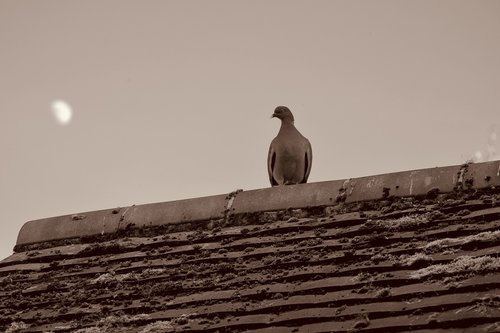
[{"x": 416, "y": 250}]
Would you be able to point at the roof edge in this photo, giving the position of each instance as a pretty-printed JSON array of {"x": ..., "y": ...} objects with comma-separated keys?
[{"x": 400, "y": 184}]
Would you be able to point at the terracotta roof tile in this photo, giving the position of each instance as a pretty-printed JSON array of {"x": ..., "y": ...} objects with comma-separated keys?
[{"x": 392, "y": 264}]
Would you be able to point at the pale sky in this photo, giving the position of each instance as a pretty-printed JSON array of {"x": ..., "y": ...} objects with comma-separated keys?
[{"x": 172, "y": 99}]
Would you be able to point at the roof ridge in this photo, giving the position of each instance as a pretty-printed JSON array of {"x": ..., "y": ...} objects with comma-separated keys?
[{"x": 424, "y": 182}]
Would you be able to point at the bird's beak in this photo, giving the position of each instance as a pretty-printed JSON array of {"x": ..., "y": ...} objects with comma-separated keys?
[{"x": 273, "y": 115}]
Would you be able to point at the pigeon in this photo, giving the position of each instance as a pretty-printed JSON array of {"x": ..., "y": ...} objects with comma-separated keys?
[{"x": 290, "y": 154}]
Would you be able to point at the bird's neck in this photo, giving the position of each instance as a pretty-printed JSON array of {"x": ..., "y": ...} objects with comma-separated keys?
[{"x": 286, "y": 124}]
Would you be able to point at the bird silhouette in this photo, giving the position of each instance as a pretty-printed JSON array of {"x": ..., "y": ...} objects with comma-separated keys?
[{"x": 290, "y": 154}]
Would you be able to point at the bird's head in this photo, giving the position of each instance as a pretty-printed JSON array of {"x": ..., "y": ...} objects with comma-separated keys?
[{"x": 283, "y": 113}]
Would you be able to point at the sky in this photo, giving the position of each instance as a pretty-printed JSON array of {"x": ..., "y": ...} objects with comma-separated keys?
[{"x": 168, "y": 100}]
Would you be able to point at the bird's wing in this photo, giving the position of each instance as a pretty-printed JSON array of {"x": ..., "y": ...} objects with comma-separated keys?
[
  {"x": 308, "y": 161},
  {"x": 271, "y": 159}
]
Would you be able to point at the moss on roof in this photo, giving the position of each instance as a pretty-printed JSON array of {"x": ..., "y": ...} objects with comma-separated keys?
[{"x": 423, "y": 264}]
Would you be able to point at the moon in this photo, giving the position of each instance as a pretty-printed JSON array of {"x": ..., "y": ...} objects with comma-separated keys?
[{"x": 62, "y": 111}]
